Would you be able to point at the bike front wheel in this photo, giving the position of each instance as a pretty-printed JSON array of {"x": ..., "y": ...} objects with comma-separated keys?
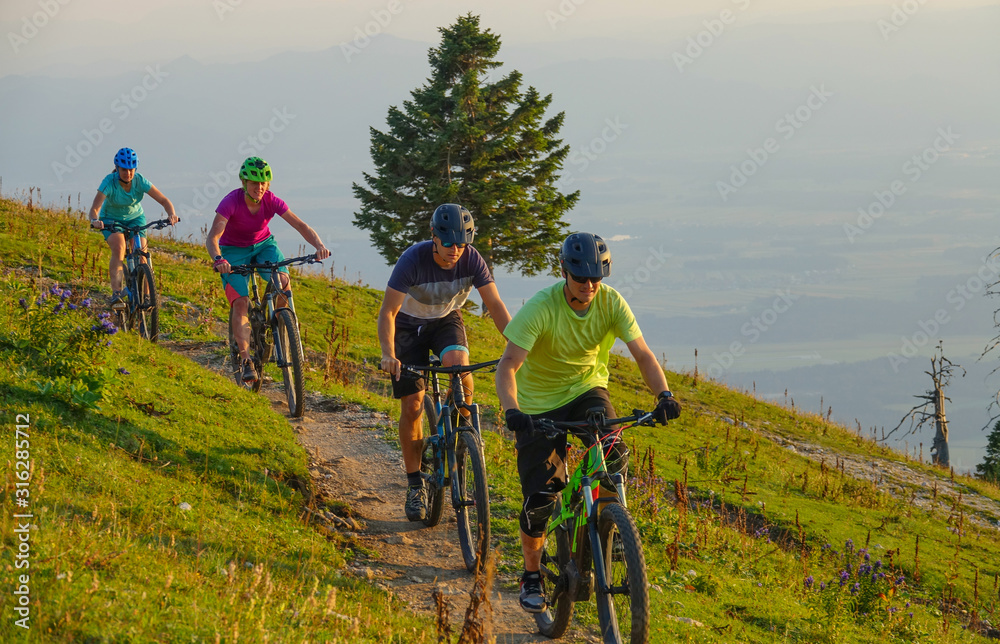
[
  {"x": 145, "y": 305},
  {"x": 288, "y": 352},
  {"x": 622, "y": 611},
  {"x": 474, "y": 500}
]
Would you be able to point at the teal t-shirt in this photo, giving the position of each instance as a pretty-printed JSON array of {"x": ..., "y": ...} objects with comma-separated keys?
[
  {"x": 120, "y": 205},
  {"x": 567, "y": 353}
]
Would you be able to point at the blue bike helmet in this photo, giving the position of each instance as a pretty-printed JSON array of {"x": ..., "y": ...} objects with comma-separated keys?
[
  {"x": 452, "y": 224},
  {"x": 585, "y": 255},
  {"x": 126, "y": 158}
]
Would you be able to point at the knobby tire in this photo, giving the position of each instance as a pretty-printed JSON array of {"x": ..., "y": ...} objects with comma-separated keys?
[
  {"x": 234, "y": 356},
  {"x": 623, "y": 614},
  {"x": 473, "y": 520},
  {"x": 430, "y": 466},
  {"x": 556, "y": 558},
  {"x": 147, "y": 306},
  {"x": 288, "y": 350}
]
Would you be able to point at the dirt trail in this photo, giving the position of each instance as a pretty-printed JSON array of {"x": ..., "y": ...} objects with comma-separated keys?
[{"x": 351, "y": 462}]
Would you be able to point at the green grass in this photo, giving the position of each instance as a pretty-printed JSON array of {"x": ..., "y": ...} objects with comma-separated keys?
[{"x": 117, "y": 558}]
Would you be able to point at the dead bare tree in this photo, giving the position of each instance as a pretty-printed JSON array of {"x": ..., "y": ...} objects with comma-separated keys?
[{"x": 932, "y": 409}]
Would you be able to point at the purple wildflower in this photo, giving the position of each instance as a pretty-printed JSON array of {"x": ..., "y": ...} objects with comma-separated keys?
[
  {"x": 85, "y": 303},
  {"x": 55, "y": 290},
  {"x": 856, "y": 587},
  {"x": 123, "y": 371},
  {"x": 66, "y": 293},
  {"x": 71, "y": 306},
  {"x": 822, "y": 585},
  {"x": 23, "y": 303},
  {"x": 808, "y": 581}
]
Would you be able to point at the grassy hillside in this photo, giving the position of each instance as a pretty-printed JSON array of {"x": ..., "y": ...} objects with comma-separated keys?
[{"x": 166, "y": 502}]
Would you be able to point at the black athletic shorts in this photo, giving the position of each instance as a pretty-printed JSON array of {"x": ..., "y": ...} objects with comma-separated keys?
[
  {"x": 415, "y": 343},
  {"x": 541, "y": 463}
]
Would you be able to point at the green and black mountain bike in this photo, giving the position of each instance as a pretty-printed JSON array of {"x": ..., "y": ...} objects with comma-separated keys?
[{"x": 592, "y": 546}]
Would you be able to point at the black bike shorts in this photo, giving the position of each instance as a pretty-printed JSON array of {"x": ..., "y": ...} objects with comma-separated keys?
[
  {"x": 541, "y": 463},
  {"x": 414, "y": 343}
]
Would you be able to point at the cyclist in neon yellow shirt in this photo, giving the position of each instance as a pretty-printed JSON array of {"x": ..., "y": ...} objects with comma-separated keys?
[{"x": 555, "y": 366}]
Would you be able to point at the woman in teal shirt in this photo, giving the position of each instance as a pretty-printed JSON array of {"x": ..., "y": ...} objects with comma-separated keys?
[{"x": 117, "y": 201}]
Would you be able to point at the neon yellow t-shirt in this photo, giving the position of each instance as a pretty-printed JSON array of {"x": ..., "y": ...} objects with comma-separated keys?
[{"x": 567, "y": 353}]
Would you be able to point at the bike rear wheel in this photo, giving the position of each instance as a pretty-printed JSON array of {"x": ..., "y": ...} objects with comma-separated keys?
[
  {"x": 145, "y": 305},
  {"x": 473, "y": 519},
  {"x": 288, "y": 353},
  {"x": 623, "y": 613},
  {"x": 556, "y": 572},
  {"x": 431, "y": 466},
  {"x": 236, "y": 362}
]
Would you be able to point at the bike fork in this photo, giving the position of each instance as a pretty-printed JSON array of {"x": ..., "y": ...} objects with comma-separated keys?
[{"x": 596, "y": 548}]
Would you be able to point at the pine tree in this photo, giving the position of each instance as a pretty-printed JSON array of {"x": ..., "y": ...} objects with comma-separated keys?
[
  {"x": 464, "y": 139},
  {"x": 989, "y": 469}
]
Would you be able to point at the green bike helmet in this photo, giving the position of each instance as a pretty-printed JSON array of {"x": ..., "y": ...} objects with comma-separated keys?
[{"x": 255, "y": 169}]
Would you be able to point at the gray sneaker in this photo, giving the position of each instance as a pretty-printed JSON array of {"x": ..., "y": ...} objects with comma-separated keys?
[
  {"x": 532, "y": 599},
  {"x": 416, "y": 502}
]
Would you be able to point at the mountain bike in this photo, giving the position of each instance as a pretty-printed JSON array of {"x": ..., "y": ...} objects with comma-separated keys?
[
  {"x": 274, "y": 331},
  {"x": 139, "y": 308},
  {"x": 453, "y": 457},
  {"x": 592, "y": 545}
]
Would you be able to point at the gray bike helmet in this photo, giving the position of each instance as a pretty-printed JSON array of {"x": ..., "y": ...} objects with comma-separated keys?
[
  {"x": 452, "y": 224},
  {"x": 585, "y": 255}
]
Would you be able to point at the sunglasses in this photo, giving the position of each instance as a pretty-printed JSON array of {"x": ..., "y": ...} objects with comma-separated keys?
[
  {"x": 450, "y": 244},
  {"x": 584, "y": 280}
]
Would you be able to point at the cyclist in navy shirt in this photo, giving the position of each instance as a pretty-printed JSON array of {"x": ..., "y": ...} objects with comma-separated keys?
[{"x": 421, "y": 314}]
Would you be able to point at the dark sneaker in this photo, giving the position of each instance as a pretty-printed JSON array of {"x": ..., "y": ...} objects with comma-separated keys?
[
  {"x": 249, "y": 373},
  {"x": 532, "y": 598},
  {"x": 416, "y": 502},
  {"x": 118, "y": 300}
]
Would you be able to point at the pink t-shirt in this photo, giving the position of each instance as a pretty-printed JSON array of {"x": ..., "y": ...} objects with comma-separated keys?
[{"x": 242, "y": 228}]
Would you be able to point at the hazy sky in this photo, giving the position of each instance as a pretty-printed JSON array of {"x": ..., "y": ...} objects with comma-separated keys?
[{"x": 42, "y": 33}]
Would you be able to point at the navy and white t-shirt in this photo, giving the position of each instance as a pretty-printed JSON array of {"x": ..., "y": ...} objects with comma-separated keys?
[{"x": 431, "y": 291}]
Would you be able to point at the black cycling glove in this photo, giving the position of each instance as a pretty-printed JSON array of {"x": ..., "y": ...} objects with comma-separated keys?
[
  {"x": 518, "y": 421},
  {"x": 667, "y": 408}
]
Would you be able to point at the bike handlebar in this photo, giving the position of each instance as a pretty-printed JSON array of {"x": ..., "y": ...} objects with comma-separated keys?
[
  {"x": 418, "y": 372},
  {"x": 245, "y": 269},
  {"x": 594, "y": 424},
  {"x": 118, "y": 227}
]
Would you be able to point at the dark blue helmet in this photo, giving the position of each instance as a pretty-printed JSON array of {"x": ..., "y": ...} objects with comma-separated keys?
[
  {"x": 453, "y": 224},
  {"x": 127, "y": 158},
  {"x": 585, "y": 255}
]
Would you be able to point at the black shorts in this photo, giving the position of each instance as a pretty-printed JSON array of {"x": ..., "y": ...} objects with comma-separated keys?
[
  {"x": 414, "y": 343},
  {"x": 541, "y": 463}
]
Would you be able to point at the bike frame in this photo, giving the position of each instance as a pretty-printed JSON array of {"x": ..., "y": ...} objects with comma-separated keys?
[{"x": 585, "y": 484}]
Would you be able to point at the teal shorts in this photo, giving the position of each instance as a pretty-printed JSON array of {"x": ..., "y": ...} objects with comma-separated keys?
[
  {"x": 265, "y": 251},
  {"x": 137, "y": 221}
]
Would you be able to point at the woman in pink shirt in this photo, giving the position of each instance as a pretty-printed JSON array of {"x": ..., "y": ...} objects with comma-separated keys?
[{"x": 240, "y": 235}]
